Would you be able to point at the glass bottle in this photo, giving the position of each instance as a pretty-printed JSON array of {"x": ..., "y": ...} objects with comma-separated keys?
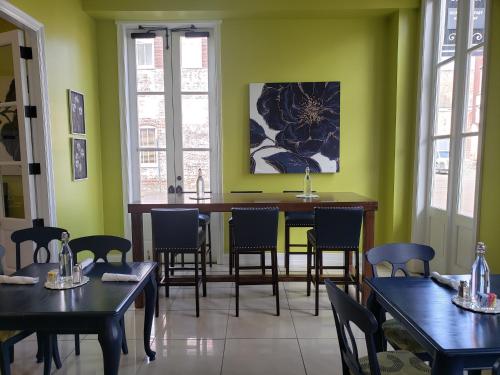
[
  {"x": 307, "y": 183},
  {"x": 480, "y": 275},
  {"x": 200, "y": 185},
  {"x": 65, "y": 261}
]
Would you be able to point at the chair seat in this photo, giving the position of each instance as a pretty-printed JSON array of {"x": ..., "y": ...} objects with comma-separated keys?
[
  {"x": 204, "y": 218},
  {"x": 305, "y": 219},
  {"x": 399, "y": 337},
  {"x": 398, "y": 362},
  {"x": 5, "y": 335}
]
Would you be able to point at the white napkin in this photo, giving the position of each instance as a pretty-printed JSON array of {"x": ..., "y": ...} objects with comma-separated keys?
[
  {"x": 4, "y": 279},
  {"x": 454, "y": 284},
  {"x": 119, "y": 277},
  {"x": 87, "y": 262}
]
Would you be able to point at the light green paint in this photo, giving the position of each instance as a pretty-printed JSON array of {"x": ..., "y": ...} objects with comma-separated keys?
[{"x": 71, "y": 57}]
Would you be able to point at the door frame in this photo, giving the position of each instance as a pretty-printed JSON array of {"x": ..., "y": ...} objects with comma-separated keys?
[
  {"x": 39, "y": 96},
  {"x": 127, "y": 155}
]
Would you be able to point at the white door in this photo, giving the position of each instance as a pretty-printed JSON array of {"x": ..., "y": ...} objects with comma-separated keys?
[
  {"x": 173, "y": 116},
  {"x": 17, "y": 208},
  {"x": 455, "y": 128}
]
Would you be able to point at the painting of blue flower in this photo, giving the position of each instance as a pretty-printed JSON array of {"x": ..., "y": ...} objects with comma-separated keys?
[{"x": 294, "y": 126}]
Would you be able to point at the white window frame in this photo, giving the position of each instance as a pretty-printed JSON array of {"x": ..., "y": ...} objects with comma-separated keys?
[
  {"x": 129, "y": 137},
  {"x": 430, "y": 39}
]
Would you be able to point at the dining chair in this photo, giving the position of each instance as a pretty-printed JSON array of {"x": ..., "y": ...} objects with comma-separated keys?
[
  {"x": 255, "y": 230},
  {"x": 348, "y": 312},
  {"x": 178, "y": 230},
  {"x": 262, "y": 265},
  {"x": 295, "y": 220},
  {"x": 100, "y": 246},
  {"x": 397, "y": 255},
  {"x": 335, "y": 229},
  {"x": 41, "y": 237},
  {"x": 9, "y": 338}
]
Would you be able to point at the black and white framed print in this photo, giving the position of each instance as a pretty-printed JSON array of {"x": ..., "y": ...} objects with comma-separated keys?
[
  {"x": 77, "y": 112},
  {"x": 79, "y": 152},
  {"x": 294, "y": 125}
]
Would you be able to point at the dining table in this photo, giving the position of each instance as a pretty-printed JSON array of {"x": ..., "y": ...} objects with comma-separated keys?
[
  {"x": 457, "y": 339},
  {"x": 94, "y": 308},
  {"x": 225, "y": 202}
]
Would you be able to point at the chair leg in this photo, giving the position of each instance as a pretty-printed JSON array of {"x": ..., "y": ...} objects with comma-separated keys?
[
  {"x": 274, "y": 257},
  {"x": 204, "y": 268},
  {"x": 317, "y": 263},
  {"x": 172, "y": 263},
  {"x": 346, "y": 271},
  {"x": 167, "y": 277},
  {"x": 237, "y": 281},
  {"x": 263, "y": 262},
  {"x": 287, "y": 249},
  {"x": 77, "y": 344},
  {"x": 356, "y": 254},
  {"x": 157, "y": 307},
  {"x": 308, "y": 270},
  {"x": 11, "y": 354},
  {"x": 231, "y": 250},
  {"x": 124, "y": 337},
  {"x": 197, "y": 284},
  {"x": 182, "y": 260},
  {"x": 39, "y": 352},
  {"x": 209, "y": 245},
  {"x": 4, "y": 360},
  {"x": 55, "y": 351}
]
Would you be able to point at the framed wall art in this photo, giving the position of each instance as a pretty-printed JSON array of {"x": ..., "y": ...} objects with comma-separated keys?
[
  {"x": 79, "y": 156},
  {"x": 76, "y": 112}
]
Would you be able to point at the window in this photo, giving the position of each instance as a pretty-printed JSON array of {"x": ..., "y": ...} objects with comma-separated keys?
[
  {"x": 145, "y": 53},
  {"x": 147, "y": 139}
]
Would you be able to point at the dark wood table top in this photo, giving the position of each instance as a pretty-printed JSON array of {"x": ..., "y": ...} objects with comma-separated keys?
[
  {"x": 96, "y": 298},
  {"x": 426, "y": 307},
  {"x": 225, "y": 202}
]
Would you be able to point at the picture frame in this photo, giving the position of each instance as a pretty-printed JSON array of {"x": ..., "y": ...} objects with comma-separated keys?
[
  {"x": 76, "y": 103},
  {"x": 79, "y": 158}
]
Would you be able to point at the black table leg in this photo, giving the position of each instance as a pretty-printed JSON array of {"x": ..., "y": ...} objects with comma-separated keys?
[
  {"x": 377, "y": 310},
  {"x": 110, "y": 339},
  {"x": 46, "y": 341},
  {"x": 446, "y": 365},
  {"x": 151, "y": 295}
]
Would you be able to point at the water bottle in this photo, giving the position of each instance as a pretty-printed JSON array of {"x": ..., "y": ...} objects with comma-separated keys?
[
  {"x": 65, "y": 261},
  {"x": 200, "y": 185},
  {"x": 480, "y": 275},
  {"x": 307, "y": 183}
]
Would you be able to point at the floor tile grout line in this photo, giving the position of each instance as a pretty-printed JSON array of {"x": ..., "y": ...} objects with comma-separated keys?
[{"x": 225, "y": 336}]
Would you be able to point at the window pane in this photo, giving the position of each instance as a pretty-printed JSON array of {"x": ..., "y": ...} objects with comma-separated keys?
[
  {"x": 468, "y": 176},
  {"x": 7, "y": 85},
  {"x": 12, "y": 190},
  {"x": 475, "y": 77},
  {"x": 448, "y": 34},
  {"x": 153, "y": 169},
  {"x": 151, "y": 113},
  {"x": 193, "y": 160},
  {"x": 444, "y": 99},
  {"x": 476, "y": 33},
  {"x": 440, "y": 165},
  {"x": 194, "y": 64},
  {"x": 149, "y": 53},
  {"x": 195, "y": 133}
]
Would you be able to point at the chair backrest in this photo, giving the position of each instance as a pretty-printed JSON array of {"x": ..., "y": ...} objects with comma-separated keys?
[
  {"x": 246, "y": 191},
  {"x": 100, "y": 246},
  {"x": 2, "y": 253},
  {"x": 338, "y": 227},
  {"x": 175, "y": 228},
  {"x": 398, "y": 255},
  {"x": 496, "y": 368},
  {"x": 41, "y": 236},
  {"x": 255, "y": 228},
  {"x": 347, "y": 311}
]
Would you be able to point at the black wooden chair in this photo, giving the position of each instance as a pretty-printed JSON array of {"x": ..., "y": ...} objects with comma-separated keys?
[
  {"x": 397, "y": 255},
  {"x": 41, "y": 237},
  {"x": 335, "y": 229},
  {"x": 255, "y": 230},
  {"x": 178, "y": 231},
  {"x": 295, "y": 220},
  {"x": 101, "y": 246},
  {"x": 347, "y": 311},
  {"x": 262, "y": 265},
  {"x": 9, "y": 338}
]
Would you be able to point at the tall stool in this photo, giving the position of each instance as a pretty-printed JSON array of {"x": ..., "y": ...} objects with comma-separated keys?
[
  {"x": 178, "y": 231},
  {"x": 335, "y": 229},
  {"x": 231, "y": 253},
  {"x": 295, "y": 220},
  {"x": 255, "y": 230}
]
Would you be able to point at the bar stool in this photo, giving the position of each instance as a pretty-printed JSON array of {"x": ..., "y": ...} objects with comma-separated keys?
[
  {"x": 178, "y": 231},
  {"x": 295, "y": 220},
  {"x": 231, "y": 253},
  {"x": 255, "y": 231},
  {"x": 335, "y": 229}
]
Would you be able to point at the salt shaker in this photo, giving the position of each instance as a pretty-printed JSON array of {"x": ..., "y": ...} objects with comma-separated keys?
[{"x": 77, "y": 274}]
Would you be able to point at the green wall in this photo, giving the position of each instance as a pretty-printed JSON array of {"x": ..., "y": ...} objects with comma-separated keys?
[{"x": 71, "y": 56}]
